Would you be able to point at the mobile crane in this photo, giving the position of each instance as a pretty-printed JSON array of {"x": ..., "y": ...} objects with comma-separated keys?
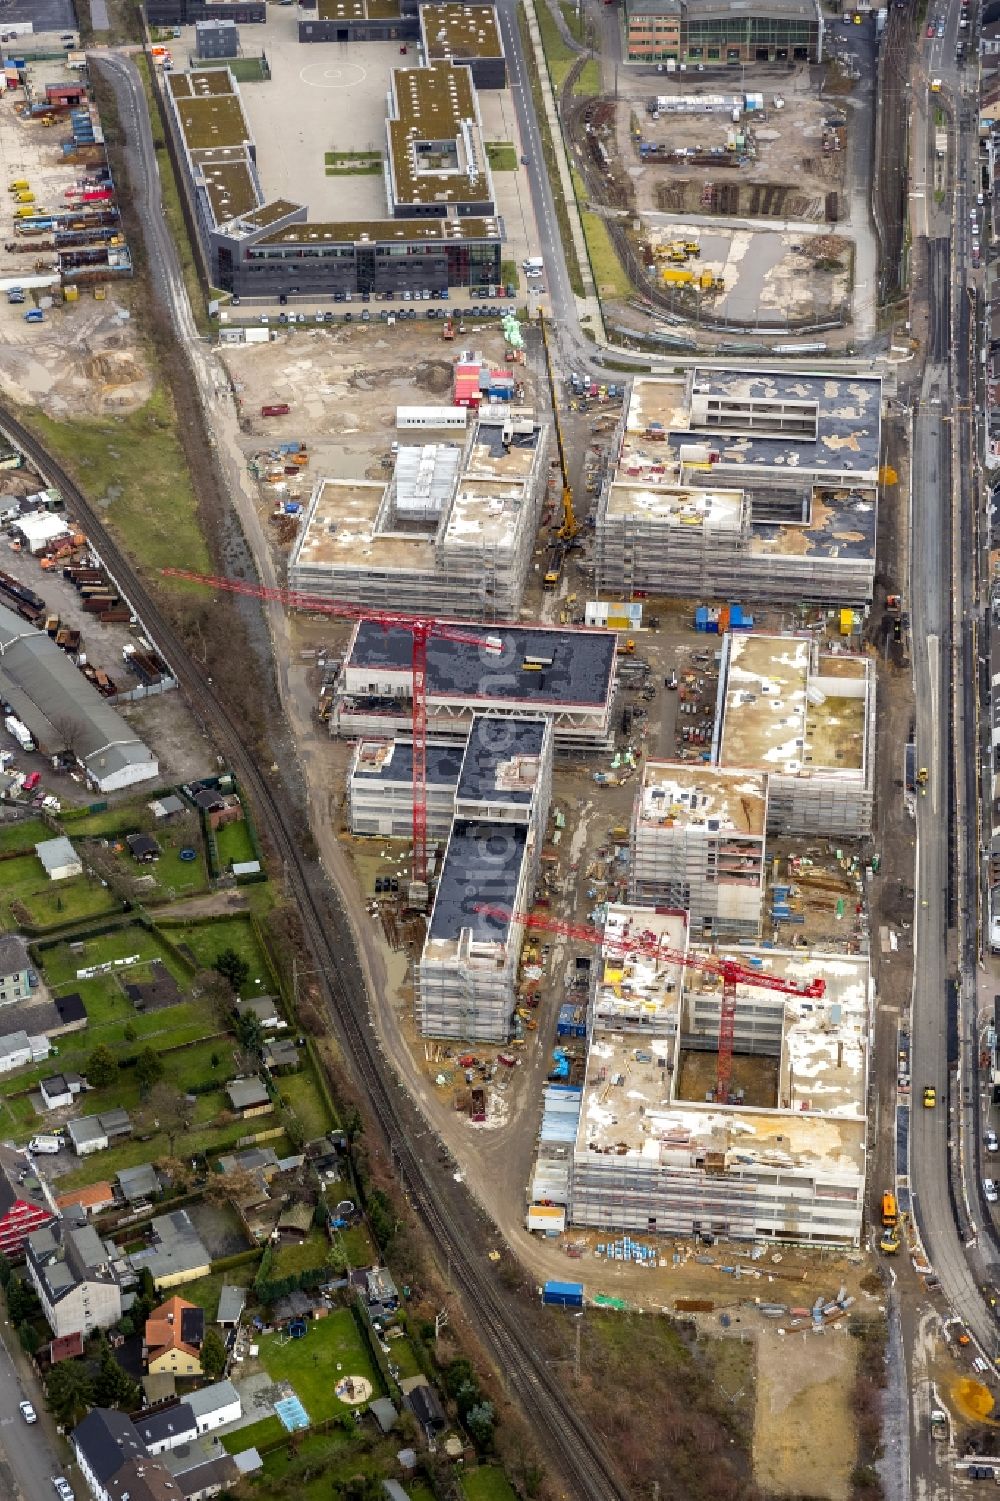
[{"x": 568, "y": 525}]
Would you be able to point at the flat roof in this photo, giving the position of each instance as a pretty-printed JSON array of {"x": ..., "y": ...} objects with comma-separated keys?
[
  {"x": 635, "y": 493},
  {"x": 436, "y": 150},
  {"x": 779, "y": 715},
  {"x": 213, "y": 117},
  {"x": 357, "y": 10},
  {"x": 384, "y": 231},
  {"x": 578, "y": 663},
  {"x": 271, "y": 212},
  {"x": 502, "y": 759},
  {"x": 841, "y": 525},
  {"x": 712, "y": 798},
  {"x": 770, "y": 420},
  {"x": 482, "y": 863},
  {"x": 460, "y": 31},
  {"x": 228, "y": 181},
  {"x": 392, "y": 761},
  {"x": 632, "y": 983},
  {"x": 819, "y": 1118},
  {"x": 342, "y": 531}
]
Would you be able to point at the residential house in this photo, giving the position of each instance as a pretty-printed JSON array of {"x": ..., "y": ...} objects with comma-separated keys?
[
  {"x": 220, "y": 808},
  {"x": 103, "y": 1443},
  {"x": 282, "y": 1055},
  {"x": 232, "y": 1301},
  {"x": 92, "y": 1199},
  {"x": 139, "y": 1183},
  {"x": 95, "y": 1133},
  {"x": 15, "y": 968},
  {"x": 176, "y": 1254},
  {"x": 380, "y": 1290},
  {"x": 261, "y": 1161},
  {"x": 143, "y": 848},
  {"x": 425, "y": 1404},
  {"x": 200, "y": 1470},
  {"x": 23, "y": 1208},
  {"x": 59, "y": 858},
  {"x": 18, "y": 1049},
  {"x": 248, "y": 1096},
  {"x": 173, "y": 1337},
  {"x": 167, "y": 1428},
  {"x": 216, "y": 1405},
  {"x": 60, "y": 1090},
  {"x": 75, "y": 1276},
  {"x": 263, "y": 1008},
  {"x": 294, "y": 1223},
  {"x": 144, "y": 1480}
]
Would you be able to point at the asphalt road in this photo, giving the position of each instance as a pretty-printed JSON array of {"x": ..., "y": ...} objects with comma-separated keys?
[{"x": 28, "y": 1457}]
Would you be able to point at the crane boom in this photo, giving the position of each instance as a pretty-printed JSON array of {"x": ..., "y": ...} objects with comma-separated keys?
[
  {"x": 421, "y": 629},
  {"x": 730, "y": 971}
]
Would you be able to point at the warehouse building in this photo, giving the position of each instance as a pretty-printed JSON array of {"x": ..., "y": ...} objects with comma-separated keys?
[
  {"x": 807, "y": 720},
  {"x": 439, "y": 230},
  {"x": 64, "y": 712},
  {"x": 760, "y": 483},
  {"x": 698, "y": 844},
  {"x": 788, "y": 1165},
  {"x": 714, "y": 34},
  {"x": 565, "y": 674},
  {"x": 467, "y": 975},
  {"x": 451, "y": 534}
]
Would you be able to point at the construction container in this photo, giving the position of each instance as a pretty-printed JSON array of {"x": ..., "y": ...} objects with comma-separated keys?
[
  {"x": 71, "y": 294},
  {"x": 563, "y": 1294}
]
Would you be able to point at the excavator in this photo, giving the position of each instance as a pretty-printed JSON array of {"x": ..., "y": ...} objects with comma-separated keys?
[{"x": 569, "y": 527}]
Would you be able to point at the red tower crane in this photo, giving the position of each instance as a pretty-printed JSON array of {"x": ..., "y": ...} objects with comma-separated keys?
[
  {"x": 730, "y": 971},
  {"x": 421, "y": 629}
]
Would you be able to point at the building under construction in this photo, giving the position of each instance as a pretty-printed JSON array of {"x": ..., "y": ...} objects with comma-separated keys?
[
  {"x": 380, "y": 788},
  {"x": 805, "y": 718},
  {"x": 466, "y": 978},
  {"x": 565, "y": 674},
  {"x": 758, "y": 485},
  {"x": 698, "y": 836},
  {"x": 788, "y": 1164},
  {"x": 450, "y": 534}
]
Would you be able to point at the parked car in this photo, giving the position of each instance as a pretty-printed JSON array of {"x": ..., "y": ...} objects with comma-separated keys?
[
  {"x": 28, "y": 1413},
  {"x": 32, "y": 780},
  {"x": 991, "y": 1191},
  {"x": 991, "y": 1140},
  {"x": 63, "y": 1488}
]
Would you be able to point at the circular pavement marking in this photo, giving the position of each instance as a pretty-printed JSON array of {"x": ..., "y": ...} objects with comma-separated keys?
[{"x": 334, "y": 76}]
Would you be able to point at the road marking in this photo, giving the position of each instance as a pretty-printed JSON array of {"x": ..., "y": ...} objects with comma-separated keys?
[{"x": 933, "y": 646}]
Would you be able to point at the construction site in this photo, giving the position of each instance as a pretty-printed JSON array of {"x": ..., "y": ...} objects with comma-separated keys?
[
  {"x": 725, "y": 482},
  {"x": 724, "y": 1093}
]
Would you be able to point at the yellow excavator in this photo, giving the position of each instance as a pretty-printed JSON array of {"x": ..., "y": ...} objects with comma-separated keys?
[{"x": 568, "y": 527}]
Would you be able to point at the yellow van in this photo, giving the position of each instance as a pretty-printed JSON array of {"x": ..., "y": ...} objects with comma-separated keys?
[
  {"x": 24, "y": 213},
  {"x": 25, "y": 197},
  {"x": 19, "y": 185}
]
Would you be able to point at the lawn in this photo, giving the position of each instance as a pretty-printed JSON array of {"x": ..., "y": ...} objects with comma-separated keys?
[
  {"x": 357, "y": 1243},
  {"x": 337, "y": 158},
  {"x": 233, "y": 844},
  {"x": 357, "y": 169},
  {"x": 609, "y": 274},
  {"x": 243, "y": 69},
  {"x": 22, "y": 834},
  {"x": 31, "y": 900},
  {"x": 210, "y": 1140},
  {"x": 255, "y": 1436},
  {"x": 589, "y": 81},
  {"x": 301, "y": 1092},
  {"x": 502, "y": 156},
  {"x": 404, "y": 1357},
  {"x": 321, "y": 1462},
  {"x": 313, "y": 1252},
  {"x": 205, "y": 1292},
  {"x": 134, "y": 462},
  {"x": 487, "y": 1483},
  {"x": 205, "y": 941},
  {"x": 310, "y": 1364}
]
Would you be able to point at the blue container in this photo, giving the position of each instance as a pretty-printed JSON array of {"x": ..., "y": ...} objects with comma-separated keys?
[{"x": 563, "y": 1294}]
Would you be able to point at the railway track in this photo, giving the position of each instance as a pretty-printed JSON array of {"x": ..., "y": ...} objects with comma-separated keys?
[{"x": 445, "y": 1207}]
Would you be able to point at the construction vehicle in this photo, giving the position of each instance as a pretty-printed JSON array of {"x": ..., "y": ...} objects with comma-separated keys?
[
  {"x": 730, "y": 971},
  {"x": 448, "y": 331},
  {"x": 702, "y": 281},
  {"x": 421, "y": 629},
  {"x": 889, "y": 1243},
  {"x": 890, "y": 1213},
  {"x": 939, "y": 1423},
  {"x": 568, "y": 524},
  {"x": 922, "y": 781}
]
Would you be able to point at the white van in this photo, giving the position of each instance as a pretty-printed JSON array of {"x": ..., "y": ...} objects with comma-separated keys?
[{"x": 44, "y": 1146}]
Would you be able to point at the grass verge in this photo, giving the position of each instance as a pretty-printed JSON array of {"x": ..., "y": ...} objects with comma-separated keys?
[
  {"x": 133, "y": 467},
  {"x": 558, "y": 54},
  {"x": 171, "y": 197},
  {"x": 501, "y": 156},
  {"x": 589, "y": 81}
]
